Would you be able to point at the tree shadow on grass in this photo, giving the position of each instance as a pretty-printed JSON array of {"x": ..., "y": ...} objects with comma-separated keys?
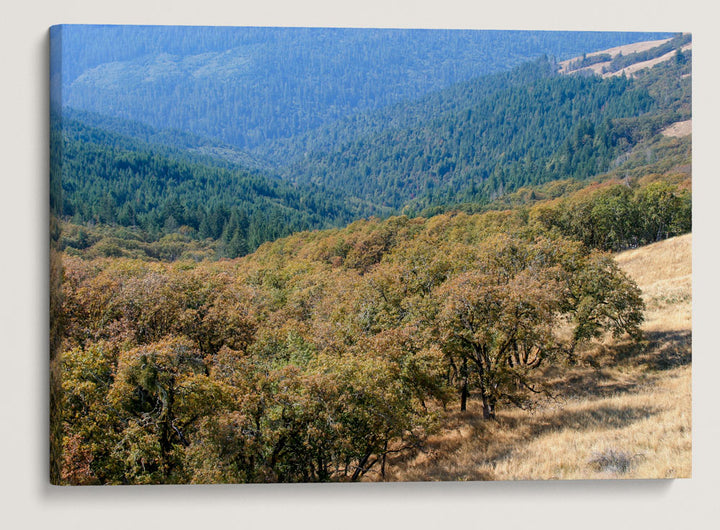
[
  {"x": 600, "y": 417},
  {"x": 594, "y": 375},
  {"x": 445, "y": 456},
  {"x": 474, "y": 454},
  {"x": 659, "y": 350},
  {"x": 595, "y": 383},
  {"x": 484, "y": 443}
]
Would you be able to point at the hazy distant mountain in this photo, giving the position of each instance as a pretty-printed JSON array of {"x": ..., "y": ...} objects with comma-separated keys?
[{"x": 251, "y": 86}]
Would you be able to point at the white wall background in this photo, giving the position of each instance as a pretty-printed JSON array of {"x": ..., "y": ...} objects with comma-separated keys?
[{"x": 26, "y": 499}]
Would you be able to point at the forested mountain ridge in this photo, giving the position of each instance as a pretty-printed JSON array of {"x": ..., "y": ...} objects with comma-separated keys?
[
  {"x": 112, "y": 179},
  {"x": 411, "y": 112},
  {"x": 484, "y": 143},
  {"x": 275, "y": 83},
  {"x": 173, "y": 142},
  {"x": 465, "y": 147}
]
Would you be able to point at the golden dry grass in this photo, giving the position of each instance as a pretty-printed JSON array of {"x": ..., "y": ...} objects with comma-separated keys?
[
  {"x": 630, "y": 70},
  {"x": 664, "y": 273},
  {"x": 624, "y": 413},
  {"x": 678, "y": 129},
  {"x": 625, "y": 49}
]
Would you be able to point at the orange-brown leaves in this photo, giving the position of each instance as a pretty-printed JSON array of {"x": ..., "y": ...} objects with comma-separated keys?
[{"x": 318, "y": 355}]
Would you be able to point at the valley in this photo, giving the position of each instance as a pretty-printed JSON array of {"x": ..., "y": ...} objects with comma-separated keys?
[{"x": 306, "y": 256}]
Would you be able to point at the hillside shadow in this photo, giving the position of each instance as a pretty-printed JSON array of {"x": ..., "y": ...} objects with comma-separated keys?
[
  {"x": 445, "y": 456},
  {"x": 593, "y": 383},
  {"x": 593, "y": 376},
  {"x": 598, "y": 418},
  {"x": 472, "y": 453},
  {"x": 659, "y": 350},
  {"x": 593, "y": 418}
]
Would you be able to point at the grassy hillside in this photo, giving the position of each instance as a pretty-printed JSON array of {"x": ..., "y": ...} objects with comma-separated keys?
[{"x": 630, "y": 418}]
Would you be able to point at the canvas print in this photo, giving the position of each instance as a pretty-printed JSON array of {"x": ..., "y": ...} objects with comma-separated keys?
[{"x": 338, "y": 255}]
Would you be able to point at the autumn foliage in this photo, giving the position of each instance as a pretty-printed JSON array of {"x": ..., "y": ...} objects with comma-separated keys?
[{"x": 320, "y": 355}]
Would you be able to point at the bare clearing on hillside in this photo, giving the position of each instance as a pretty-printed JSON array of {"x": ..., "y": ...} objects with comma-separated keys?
[
  {"x": 598, "y": 68},
  {"x": 624, "y": 411},
  {"x": 614, "y": 52},
  {"x": 624, "y": 49},
  {"x": 678, "y": 129},
  {"x": 630, "y": 70},
  {"x": 632, "y": 48}
]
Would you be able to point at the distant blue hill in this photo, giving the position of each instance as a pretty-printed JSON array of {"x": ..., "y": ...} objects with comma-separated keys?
[{"x": 249, "y": 87}]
